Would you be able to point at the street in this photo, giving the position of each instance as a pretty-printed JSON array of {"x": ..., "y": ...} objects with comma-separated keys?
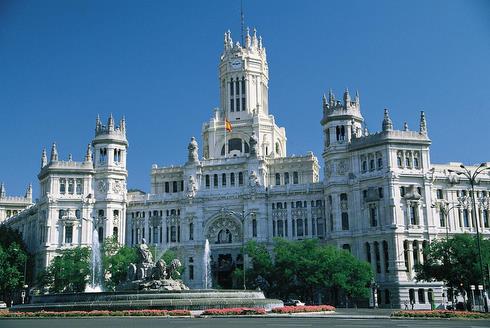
[{"x": 237, "y": 323}]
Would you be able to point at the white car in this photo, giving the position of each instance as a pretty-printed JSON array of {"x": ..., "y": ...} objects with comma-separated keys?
[
  {"x": 3, "y": 305},
  {"x": 293, "y": 303}
]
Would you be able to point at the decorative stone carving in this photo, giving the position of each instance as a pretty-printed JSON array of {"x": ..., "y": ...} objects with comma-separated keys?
[
  {"x": 328, "y": 169},
  {"x": 117, "y": 187},
  {"x": 342, "y": 167},
  {"x": 253, "y": 181},
  {"x": 253, "y": 141},
  {"x": 191, "y": 187},
  {"x": 193, "y": 156},
  {"x": 102, "y": 186},
  {"x": 148, "y": 275},
  {"x": 223, "y": 223}
]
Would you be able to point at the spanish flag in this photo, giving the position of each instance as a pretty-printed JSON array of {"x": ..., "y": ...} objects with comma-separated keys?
[{"x": 228, "y": 126}]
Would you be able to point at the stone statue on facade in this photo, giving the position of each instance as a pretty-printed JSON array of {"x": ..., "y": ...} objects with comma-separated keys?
[
  {"x": 253, "y": 144},
  {"x": 193, "y": 156},
  {"x": 191, "y": 187}
]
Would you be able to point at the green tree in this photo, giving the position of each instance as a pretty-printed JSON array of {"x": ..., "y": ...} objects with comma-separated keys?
[
  {"x": 454, "y": 261},
  {"x": 12, "y": 266},
  {"x": 115, "y": 260},
  {"x": 68, "y": 272},
  {"x": 303, "y": 267}
]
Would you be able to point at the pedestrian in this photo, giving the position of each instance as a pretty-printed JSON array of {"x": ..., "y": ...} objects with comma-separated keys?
[{"x": 406, "y": 305}]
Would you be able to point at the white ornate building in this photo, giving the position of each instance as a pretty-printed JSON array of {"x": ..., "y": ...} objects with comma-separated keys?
[{"x": 380, "y": 197}]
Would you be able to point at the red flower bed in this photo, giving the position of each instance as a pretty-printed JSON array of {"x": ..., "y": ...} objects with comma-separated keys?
[
  {"x": 304, "y": 308},
  {"x": 96, "y": 313},
  {"x": 440, "y": 314},
  {"x": 234, "y": 311}
]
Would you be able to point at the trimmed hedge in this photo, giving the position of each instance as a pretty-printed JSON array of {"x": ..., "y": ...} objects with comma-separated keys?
[
  {"x": 304, "y": 308},
  {"x": 234, "y": 311},
  {"x": 96, "y": 313},
  {"x": 440, "y": 314}
]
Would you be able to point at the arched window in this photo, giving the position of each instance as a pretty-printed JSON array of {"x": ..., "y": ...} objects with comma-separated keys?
[
  {"x": 421, "y": 295},
  {"x": 466, "y": 220},
  {"x": 240, "y": 178},
  {"x": 278, "y": 179},
  {"x": 368, "y": 252},
  {"x": 337, "y": 132},
  {"x": 115, "y": 232},
  {"x": 377, "y": 257},
  {"x": 295, "y": 177},
  {"x": 387, "y": 296},
  {"x": 286, "y": 178},
  {"x": 69, "y": 234},
  {"x": 342, "y": 132},
  {"x": 411, "y": 295},
  {"x": 415, "y": 247},
  {"x": 346, "y": 247},
  {"x": 231, "y": 88},
  {"x": 405, "y": 254},
  {"x": 345, "y": 221},
  {"x": 215, "y": 180},
  {"x": 101, "y": 234},
  {"x": 371, "y": 164},
  {"x": 364, "y": 166},
  {"x": 232, "y": 179},
  {"x": 299, "y": 204},
  {"x": 380, "y": 166},
  {"x": 399, "y": 159},
  {"x": 223, "y": 179},
  {"x": 191, "y": 231},
  {"x": 224, "y": 237},
  {"x": 278, "y": 152},
  {"x": 386, "y": 256},
  {"x": 299, "y": 227}
]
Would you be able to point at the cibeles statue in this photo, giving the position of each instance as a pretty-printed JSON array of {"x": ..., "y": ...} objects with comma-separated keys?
[
  {"x": 193, "y": 156},
  {"x": 149, "y": 275}
]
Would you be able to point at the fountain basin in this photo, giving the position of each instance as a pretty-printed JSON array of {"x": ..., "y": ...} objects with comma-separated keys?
[{"x": 199, "y": 299}]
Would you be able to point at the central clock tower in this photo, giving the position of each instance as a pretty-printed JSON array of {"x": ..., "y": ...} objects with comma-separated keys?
[{"x": 110, "y": 149}]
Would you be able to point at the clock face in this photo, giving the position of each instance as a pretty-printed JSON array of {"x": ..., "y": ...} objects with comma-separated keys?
[{"x": 236, "y": 64}]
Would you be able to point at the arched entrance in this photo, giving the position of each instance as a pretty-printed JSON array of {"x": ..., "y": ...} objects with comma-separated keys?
[{"x": 224, "y": 233}]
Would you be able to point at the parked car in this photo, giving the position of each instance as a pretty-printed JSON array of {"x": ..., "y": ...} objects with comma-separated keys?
[
  {"x": 3, "y": 305},
  {"x": 293, "y": 303}
]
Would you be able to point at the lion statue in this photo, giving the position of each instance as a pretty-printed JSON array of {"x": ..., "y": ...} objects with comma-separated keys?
[
  {"x": 159, "y": 271},
  {"x": 173, "y": 268}
]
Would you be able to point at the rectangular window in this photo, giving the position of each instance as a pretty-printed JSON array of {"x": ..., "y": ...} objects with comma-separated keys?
[
  {"x": 237, "y": 87},
  {"x": 215, "y": 181},
  {"x": 243, "y": 86},
  {"x": 232, "y": 179},
  {"x": 71, "y": 186},
  {"x": 191, "y": 272},
  {"x": 380, "y": 192},
  {"x": 244, "y": 103},
  {"x": 167, "y": 187},
  {"x": 440, "y": 194},
  {"x": 223, "y": 179},
  {"x": 295, "y": 178},
  {"x": 62, "y": 186},
  {"x": 372, "y": 215},
  {"x": 231, "y": 87},
  {"x": 254, "y": 228},
  {"x": 232, "y": 103},
  {"x": 68, "y": 234},
  {"x": 174, "y": 186},
  {"x": 207, "y": 181},
  {"x": 240, "y": 178},
  {"x": 79, "y": 186},
  {"x": 286, "y": 178},
  {"x": 345, "y": 221},
  {"x": 278, "y": 179},
  {"x": 238, "y": 105},
  {"x": 173, "y": 234}
]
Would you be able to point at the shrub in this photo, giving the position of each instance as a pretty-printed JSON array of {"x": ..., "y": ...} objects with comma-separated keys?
[
  {"x": 96, "y": 313},
  {"x": 234, "y": 311},
  {"x": 305, "y": 308}
]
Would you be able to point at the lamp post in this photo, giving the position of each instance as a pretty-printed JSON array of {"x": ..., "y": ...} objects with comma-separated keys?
[
  {"x": 472, "y": 176},
  {"x": 242, "y": 216},
  {"x": 444, "y": 208}
]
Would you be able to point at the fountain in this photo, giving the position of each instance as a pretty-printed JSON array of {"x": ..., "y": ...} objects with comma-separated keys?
[
  {"x": 95, "y": 266},
  {"x": 150, "y": 285},
  {"x": 207, "y": 280}
]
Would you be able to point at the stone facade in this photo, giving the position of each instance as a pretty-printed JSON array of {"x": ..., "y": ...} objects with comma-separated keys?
[
  {"x": 12, "y": 205},
  {"x": 381, "y": 197}
]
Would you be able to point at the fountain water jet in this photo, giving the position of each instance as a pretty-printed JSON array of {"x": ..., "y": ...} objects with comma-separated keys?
[
  {"x": 207, "y": 280},
  {"x": 96, "y": 266}
]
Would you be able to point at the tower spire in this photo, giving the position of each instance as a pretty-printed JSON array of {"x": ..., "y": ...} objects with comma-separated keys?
[
  {"x": 54, "y": 153},
  {"x": 44, "y": 158},
  {"x": 387, "y": 123},
  {"x": 242, "y": 19},
  {"x": 28, "y": 194},
  {"x": 423, "y": 123},
  {"x": 3, "y": 192},
  {"x": 88, "y": 154}
]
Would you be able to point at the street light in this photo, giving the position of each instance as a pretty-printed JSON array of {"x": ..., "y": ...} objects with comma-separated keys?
[
  {"x": 242, "y": 216},
  {"x": 444, "y": 208},
  {"x": 471, "y": 176}
]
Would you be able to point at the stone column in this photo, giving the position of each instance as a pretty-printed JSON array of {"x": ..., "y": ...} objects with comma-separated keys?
[
  {"x": 290, "y": 222},
  {"x": 410, "y": 258},
  {"x": 373, "y": 258},
  {"x": 382, "y": 259}
]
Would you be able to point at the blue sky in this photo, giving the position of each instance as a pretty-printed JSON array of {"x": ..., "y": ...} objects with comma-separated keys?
[{"x": 63, "y": 62}]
